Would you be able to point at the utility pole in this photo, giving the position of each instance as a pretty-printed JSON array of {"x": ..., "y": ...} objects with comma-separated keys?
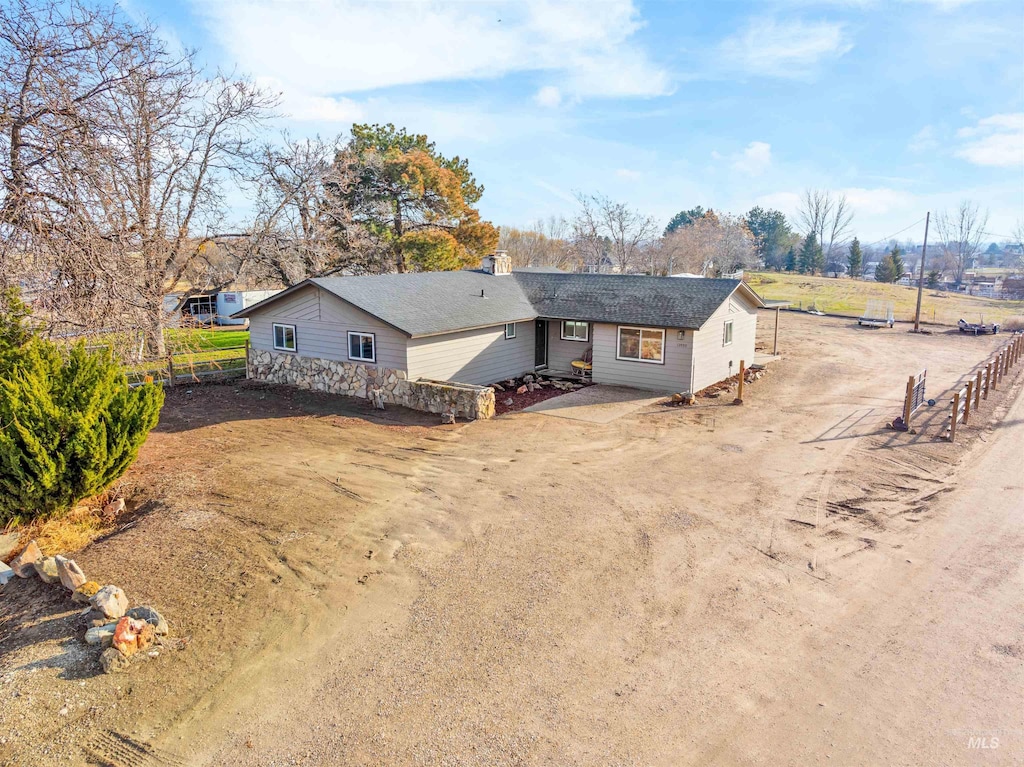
[{"x": 920, "y": 280}]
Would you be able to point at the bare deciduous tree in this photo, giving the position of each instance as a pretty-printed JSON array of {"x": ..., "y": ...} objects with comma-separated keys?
[
  {"x": 115, "y": 156},
  {"x": 960, "y": 232},
  {"x": 543, "y": 244},
  {"x": 710, "y": 246},
  {"x": 829, "y": 217},
  {"x": 605, "y": 231}
]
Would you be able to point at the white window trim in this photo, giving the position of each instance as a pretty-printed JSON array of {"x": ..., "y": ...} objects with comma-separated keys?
[
  {"x": 731, "y": 331},
  {"x": 512, "y": 326},
  {"x": 584, "y": 340},
  {"x": 618, "y": 344},
  {"x": 295, "y": 338},
  {"x": 361, "y": 333}
]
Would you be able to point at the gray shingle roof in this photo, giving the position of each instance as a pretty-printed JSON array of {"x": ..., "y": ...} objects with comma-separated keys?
[
  {"x": 626, "y": 299},
  {"x": 430, "y": 303},
  {"x": 426, "y": 303}
]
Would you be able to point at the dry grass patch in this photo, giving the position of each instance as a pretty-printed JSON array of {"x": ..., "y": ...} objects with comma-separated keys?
[{"x": 66, "y": 533}]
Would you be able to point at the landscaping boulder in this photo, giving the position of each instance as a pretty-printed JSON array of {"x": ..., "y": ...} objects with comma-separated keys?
[
  {"x": 113, "y": 661},
  {"x": 111, "y": 601},
  {"x": 6, "y": 573},
  {"x": 70, "y": 574},
  {"x": 509, "y": 402},
  {"x": 46, "y": 569},
  {"x": 522, "y": 389},
  {"x": 8, "y": 543},
  {"x": 101, "y": 635},
  {"x": 112, "y": 509},
  {"x": 150, "y": 616},
  {"x": 22, "y": 564},
  {"x": 131, "y": 635},
  {"x": 85, "y": 592}
]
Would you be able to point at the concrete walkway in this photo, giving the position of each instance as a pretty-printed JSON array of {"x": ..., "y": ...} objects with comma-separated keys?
[{"x": 600, "y": 403}]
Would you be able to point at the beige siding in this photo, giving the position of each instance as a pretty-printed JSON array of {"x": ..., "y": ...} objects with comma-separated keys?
[
  {"x": 711, "y": 357},
  {"x": 481, "y": 356},
  {"x": 561, "y": 353},
  {"x": 322, "y": 322},
  {"x": 673, "y": 375}
]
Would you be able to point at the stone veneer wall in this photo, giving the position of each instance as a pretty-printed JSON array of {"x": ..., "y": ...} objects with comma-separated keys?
[{"x": 353, "y": 379}]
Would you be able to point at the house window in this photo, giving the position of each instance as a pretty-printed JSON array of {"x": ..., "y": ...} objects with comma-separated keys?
[
  {"x": 642, "y": 344},
  {"x": 727, "y": 333},
  {"x": 575, "y": 331},
  {"x": 362, "y": 347},
  {"x": 510, "y": 330},
  {"x": 284, "y": 337}
]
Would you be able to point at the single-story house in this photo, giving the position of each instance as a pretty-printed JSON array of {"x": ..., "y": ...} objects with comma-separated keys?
[{"x": 375, "y": 335}]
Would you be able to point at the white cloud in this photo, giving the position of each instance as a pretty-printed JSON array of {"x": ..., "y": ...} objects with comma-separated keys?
[
  {"x": 878, "y": 201},
  {"x": 629, "y": 175},
  {"x": 324, "y": 48},
  {"x": 548, "y": 96},
  {"x": 924, "y": 140},
  {"x": 996, "y": 141},
  {"x": 787, "y": 49},
  {"x": 754, "y": 159}
]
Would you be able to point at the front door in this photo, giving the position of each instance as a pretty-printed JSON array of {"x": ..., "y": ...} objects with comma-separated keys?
[{"x": 540, "y": 356}]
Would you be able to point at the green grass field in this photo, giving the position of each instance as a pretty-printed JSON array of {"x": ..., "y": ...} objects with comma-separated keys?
[
  {"x": 850, "y": 297},
  {"x": 197, "y": 350}
]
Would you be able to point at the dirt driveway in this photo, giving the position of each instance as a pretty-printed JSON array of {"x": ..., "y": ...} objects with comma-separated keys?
[{"x": 780, "y": 583}]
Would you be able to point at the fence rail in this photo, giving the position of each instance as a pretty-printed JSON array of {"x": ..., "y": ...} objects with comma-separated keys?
[
  {"x": 969, "y": 398},
  {"x": 192, "y": 366}
]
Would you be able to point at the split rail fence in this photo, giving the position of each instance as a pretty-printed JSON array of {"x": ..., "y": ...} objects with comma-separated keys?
[{"x": 967, "y": 401}]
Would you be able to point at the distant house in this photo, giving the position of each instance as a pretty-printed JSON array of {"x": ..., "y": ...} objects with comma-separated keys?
[
  {"x": 216, "y": 307},
  {"x": 484, "y": 326}
]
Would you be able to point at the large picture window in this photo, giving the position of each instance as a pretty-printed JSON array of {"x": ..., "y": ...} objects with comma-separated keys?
[
  {"x": 573, "y": 330},
  {"x": 362, "y": 347},
  {"x": 284, "y": 337},
  {"x": 642, "y": 344}
]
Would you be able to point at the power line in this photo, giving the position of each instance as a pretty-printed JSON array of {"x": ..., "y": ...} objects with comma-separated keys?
[{"x": 887, "y": 239}]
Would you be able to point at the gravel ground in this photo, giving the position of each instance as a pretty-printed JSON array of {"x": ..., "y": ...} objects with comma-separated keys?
[{"x": 785, "y": 582}]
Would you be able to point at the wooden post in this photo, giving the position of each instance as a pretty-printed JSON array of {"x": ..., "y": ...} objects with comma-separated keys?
[
  {"x": 967, "y": 402},
  {"x": 247, "y": 358},
  {"x": 907, "y": 408},
  {"x": 953, "y": 419},
  {"x": 993, "y": 384},
  {"x": 170, "y": 370},
  {"x": 775, "y": 344},
  {"x": 977, "y": 391},
  {"x": 739, "y": 394}
]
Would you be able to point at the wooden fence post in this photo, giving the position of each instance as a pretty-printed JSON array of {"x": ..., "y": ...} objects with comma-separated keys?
[
  {"x": 967, "y": 402},
  {"x": 953, "y": 419},
  {"x": 739, "y": 393},
  {"x": 977, "y": 391},
  {"x": 995, "y": 374},
  {"x": 170, "y": 370}
]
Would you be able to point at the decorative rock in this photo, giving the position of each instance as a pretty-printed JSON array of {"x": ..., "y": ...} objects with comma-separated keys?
[
  {"x": 46, "y": 569},
  {"x": 150, "y": 616},
  {"x": 113, "y": 661},
  {"x": 70, "y": 574},
  {"x": 6, "y": 573},
  {"x": 92, "y": 618},
  {"x": 8, "y": 543},
  {"x": 23, "y": 563},
  {"x": 85, "y": 592},
  {"x": 509, "y": 402},
  {"x": 111, "y": 601},
  {"x": 101, "y": 635},
  {"x": 497, "y": 387},
  {"x": 112, "y": 509},
  {"x": 522, "y": 389},
  {"x": 132, "y": 635},
  {"x": 448, "y": 417}
]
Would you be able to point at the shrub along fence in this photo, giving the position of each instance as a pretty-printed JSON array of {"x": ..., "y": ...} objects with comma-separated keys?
[{"x": 968, "y": 399}]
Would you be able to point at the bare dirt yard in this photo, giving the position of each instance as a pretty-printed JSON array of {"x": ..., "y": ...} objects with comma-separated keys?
[{"x": 786, "y": 582}]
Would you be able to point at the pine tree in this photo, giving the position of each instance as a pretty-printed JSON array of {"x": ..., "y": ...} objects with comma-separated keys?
[
  {"x": 812, "y": 259},
  {"x": 886, "y": 270},
  {"x": 791, "y": 260},
  {"x": 71, "y": 427},
  {"x": 934, "y": 277},
  {"x": 897, "y": 262},
  {"x": 856, "y": 259}
]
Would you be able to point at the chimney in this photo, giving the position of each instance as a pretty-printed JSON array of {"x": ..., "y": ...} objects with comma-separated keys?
[{"x": 497, "y": 263}]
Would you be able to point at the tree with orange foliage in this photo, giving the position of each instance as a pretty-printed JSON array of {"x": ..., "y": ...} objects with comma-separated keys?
[{"x": 413, "y": 205}]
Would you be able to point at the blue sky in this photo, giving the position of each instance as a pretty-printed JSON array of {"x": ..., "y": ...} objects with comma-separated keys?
[{"x": 903, "y": 106}]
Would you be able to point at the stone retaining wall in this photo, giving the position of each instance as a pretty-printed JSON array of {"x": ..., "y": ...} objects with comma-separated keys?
[{"x": 353, "y": 379}]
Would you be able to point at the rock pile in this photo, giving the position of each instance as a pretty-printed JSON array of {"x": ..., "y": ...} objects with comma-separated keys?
[{"x": 110, "y": 624}]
